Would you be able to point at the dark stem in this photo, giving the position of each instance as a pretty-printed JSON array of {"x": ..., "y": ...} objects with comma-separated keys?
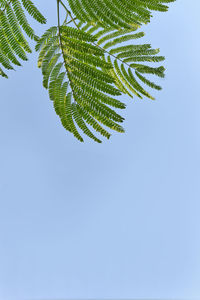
[
  {"x": 74, "y": 21},
  {"x": 61, "y": 45}
]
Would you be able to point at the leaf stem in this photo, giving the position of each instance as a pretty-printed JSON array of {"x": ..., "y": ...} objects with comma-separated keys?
[
  {"x": 61, "y": 44},
  {"x": 74, "y": 21}
]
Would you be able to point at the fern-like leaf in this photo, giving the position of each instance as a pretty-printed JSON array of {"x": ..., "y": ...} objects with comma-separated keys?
[
  {"x": 117, "y": 13},
  {"x": 13, "y": 21},
  {"x": 77, "y": 76},
  {"x": 125, "y": 55}
]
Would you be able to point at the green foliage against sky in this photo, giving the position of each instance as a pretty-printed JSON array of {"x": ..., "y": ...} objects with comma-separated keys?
[{"x": 88, "y": 59}]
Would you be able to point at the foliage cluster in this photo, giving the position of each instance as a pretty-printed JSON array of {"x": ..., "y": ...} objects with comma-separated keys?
[{"x": 87, "y": 60}]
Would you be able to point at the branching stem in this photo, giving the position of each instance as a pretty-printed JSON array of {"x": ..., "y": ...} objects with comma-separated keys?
[{"x": 74, "y": 21}]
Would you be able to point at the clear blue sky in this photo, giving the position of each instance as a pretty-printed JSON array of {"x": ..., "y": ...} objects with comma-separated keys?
[{"x": 119, "y": 219}]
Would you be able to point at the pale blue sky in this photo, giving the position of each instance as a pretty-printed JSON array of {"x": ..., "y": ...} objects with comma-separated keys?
[{"x": 117, "y": 220}]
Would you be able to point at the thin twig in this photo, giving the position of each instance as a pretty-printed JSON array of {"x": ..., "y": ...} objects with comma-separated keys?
[{"x": 74, "y": 21}]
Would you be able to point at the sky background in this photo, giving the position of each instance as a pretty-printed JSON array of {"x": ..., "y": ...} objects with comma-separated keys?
[{"x": 117, "y": 220}]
